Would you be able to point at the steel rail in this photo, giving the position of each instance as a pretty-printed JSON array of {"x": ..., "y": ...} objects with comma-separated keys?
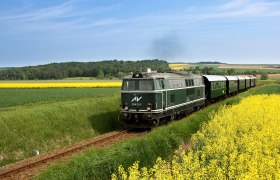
[{"x": 43, "y": 158}]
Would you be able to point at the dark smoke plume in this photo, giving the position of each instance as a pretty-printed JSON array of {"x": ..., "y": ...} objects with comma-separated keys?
[{"x": 167, "y": 47}]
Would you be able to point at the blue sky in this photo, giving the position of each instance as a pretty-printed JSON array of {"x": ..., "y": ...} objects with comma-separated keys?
[{"x": 233, "y": 31}]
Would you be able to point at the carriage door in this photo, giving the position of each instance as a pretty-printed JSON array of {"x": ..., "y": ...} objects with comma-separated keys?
[{"x": 163, "y": 94}]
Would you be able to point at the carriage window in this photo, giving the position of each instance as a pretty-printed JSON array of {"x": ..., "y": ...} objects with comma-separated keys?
[
  {"x": 189, "y": 82},
  {"x": 135, "y": 85},
  {"x": 146, "y": 85},
  {"x": 159, "y": 84}
]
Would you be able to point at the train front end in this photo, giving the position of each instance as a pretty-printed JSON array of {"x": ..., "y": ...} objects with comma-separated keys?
[{"x": 141, "y": 104}]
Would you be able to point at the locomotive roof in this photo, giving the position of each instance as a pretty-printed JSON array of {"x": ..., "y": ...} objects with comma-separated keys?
[
  {"x": 214, "y": 78},
  {"x": 165, "y": 75}
]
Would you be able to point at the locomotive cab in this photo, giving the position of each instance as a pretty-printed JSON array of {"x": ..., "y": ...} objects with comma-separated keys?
[{"x": 141, "y": 100}]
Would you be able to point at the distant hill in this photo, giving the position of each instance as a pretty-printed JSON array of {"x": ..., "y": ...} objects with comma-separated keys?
[
  {"x": 102, "y": 69},
  {"x": 201, "y": 62},
  {"x": 209, "y": 62}
]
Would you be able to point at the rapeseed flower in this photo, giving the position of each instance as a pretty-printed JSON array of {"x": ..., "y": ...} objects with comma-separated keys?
[
  {"x": 240, "y": 142},
  {"x": 61, "y": 85}
]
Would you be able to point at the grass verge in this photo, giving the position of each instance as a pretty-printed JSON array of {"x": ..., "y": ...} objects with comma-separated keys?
[
  {"x": 262, "y": 82},
  {"x": 44, "y": 127}
]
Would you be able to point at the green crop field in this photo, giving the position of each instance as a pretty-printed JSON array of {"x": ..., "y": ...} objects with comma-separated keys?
[
  {"x": 162, "y": 141},
  {"x": 241, "y": 70},
  {"x": 15, "y": 97},
  {"x": 47, "y": 119}
]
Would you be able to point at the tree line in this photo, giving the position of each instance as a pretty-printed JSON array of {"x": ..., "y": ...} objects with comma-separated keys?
[
  {"x": 231, "y": 71},
  {"x": 103, "y": 69}
]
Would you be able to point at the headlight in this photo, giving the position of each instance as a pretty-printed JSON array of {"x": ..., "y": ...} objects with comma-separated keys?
[
  {"x": 125, "y": 107},
  {"x": 149, "y": 107}
]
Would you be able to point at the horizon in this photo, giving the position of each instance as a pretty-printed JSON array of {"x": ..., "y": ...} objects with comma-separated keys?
[
  {"x": 198, "y": 62},
  {"x": 229, "y": 31}
]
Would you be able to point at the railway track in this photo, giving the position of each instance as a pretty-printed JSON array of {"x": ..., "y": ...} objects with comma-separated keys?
[{"x": 28, "y": 168}]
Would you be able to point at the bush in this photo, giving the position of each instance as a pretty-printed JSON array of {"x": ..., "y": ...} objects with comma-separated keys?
[{"x": 264, "y": 76}]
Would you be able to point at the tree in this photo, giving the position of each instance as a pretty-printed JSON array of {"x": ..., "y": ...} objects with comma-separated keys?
[
  {"x": 100, "y": 74},
  {"x": 102, "y": 69},
  {"x": 208, "y": 70},
  {"x": 254, "y": 73},
  {"x": 231, "y": 71}
]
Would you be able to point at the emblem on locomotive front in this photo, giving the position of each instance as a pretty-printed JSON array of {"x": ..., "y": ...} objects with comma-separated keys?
[{"x": 135, "y": 101}]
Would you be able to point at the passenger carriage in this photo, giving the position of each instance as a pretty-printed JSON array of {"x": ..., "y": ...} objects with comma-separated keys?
[
  {"x": 232, "y": 85},
  {"x": 241, "y": 83},
  {"x": 247, "y": 82},
  {"x": 215, "y": 87},
  {"x": 252, "y": 81}
]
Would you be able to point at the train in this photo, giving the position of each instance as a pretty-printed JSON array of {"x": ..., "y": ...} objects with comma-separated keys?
[{"x": 149, "y": 99}]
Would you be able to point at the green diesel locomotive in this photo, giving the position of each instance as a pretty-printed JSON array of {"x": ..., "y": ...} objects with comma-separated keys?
[{"x": 149, "y": 99}]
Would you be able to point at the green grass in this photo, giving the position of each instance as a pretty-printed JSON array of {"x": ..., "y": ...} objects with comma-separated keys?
[
  {"x": 162, "y": 141},
  {"x": 53, "y": 118},
  {"x": 262, "y": 82},
  {"x": 259, "y": 71},
  {"x": 15, "y": 97},
  {"x": 267, "y": 89}
]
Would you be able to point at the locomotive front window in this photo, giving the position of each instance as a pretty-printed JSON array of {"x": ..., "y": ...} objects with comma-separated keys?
[{"x": 138, "y": 85}]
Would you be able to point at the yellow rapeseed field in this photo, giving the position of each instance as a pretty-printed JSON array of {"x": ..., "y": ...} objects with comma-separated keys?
[
  {"x": 240, "y": 142},
  {"x": 61, "y": 85},
  {"x": 179, "y": 66}
]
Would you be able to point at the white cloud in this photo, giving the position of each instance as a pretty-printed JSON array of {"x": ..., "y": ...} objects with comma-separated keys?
[
  {"x": 234, "y": 4},
  {"x": 64, "y": 10},
  {"x": 63, "y": 17},
  {"x": 246, "y": 8},
  {"x": 41, "y": 14}
]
